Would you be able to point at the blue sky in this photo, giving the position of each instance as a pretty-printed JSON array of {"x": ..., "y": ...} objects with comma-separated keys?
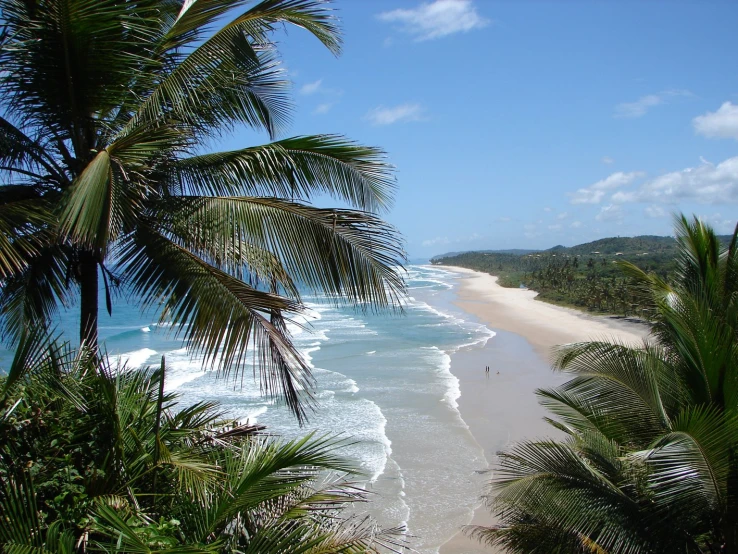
[{"x": 525, "y": 124}]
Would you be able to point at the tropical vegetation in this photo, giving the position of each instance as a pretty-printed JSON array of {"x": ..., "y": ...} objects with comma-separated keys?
[
  {"x": 96, "y": 458},
  {"x": 109, "y": 112},
  {"x": 585, "y": 276},
  {"x": 109, "y": 109},
  {"x": 648, "y": 462}
]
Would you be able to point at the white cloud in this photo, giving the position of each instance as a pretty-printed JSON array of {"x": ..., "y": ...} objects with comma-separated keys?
[
  {"x": 436, "y": 241},
  {"x": 720, "y": 124},
  {"x": 611, "y": 212},
  {"x": 562, "y": 215},
  {"x": 641, "y": 106},
  {"x": 546, "y": 209},
  {"x": 311, "y": 88},
  {"x": 555, "y": 227},
  {"x": 437, "y": 19},
  {"x": 655, "y": 212},
  {"x": 387, "y": 116},
  {"x": 607, "y": 160},
  {"x": 594, "y": 194},
  {"x": 445, "y": 240},
  {"x": 323, "y": 108},
  {"x": 721, "y": 225},
  {"x": 706, "y": 184},
  {"x": 503, "y": 219},
  {"x": 530, "y": 230},
  {"x": 575, "y": 224}
]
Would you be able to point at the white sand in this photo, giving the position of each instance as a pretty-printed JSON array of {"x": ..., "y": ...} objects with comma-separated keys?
[
  {"x": 503, "y": 408},
  {"x": 543, "y": 325}
]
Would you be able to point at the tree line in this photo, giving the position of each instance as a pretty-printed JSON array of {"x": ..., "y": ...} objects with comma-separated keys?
[{"x": 593, "y": 282}]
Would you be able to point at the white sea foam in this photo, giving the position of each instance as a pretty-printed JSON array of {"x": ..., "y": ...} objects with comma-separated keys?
[
  {"x": 485, "y": 334},
  {"x": 384, "y": 439},
  {"x": 294, "y": 329},
  {"x": 136, "y": 358},
  {"x": 352, "y": 387},
  {"x": 443, "y": 365},
  {"x": 371, "y": 352},
  {"x": 324, "y": 394},
  {"x": 308, "y": 359},
  {"x": 181, "y": 368},
  {"x": 255, "y": 413},
  {"x": 434, "y": 283},
  {"x": 146, "y": 329}
]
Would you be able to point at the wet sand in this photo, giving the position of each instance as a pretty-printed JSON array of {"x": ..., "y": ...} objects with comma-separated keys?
[{"x": 500, "y": 409}]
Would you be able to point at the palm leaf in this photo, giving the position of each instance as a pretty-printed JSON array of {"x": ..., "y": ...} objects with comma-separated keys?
[
  {"x": 219, "y": 315},
  {"x": 298, "y": 167},
  {"x": 32, "y": 296},
  {"x": 340, "y": 253},
  {"x": 691, "y": 464}
]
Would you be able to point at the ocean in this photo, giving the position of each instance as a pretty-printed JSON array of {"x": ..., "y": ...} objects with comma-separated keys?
[{"x": 383, "y": 383}]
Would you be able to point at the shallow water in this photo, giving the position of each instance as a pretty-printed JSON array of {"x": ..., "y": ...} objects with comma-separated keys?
[{"x": 382, "y": 380}]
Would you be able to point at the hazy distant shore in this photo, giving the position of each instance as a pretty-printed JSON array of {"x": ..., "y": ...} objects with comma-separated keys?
[{"x": 503, "y": 408}]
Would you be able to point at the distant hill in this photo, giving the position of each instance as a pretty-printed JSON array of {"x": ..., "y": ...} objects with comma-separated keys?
[
  {"x": 626, "y": 246},
  {"x": 514, "y": 251},
  {"x": 586, "y": 276}
]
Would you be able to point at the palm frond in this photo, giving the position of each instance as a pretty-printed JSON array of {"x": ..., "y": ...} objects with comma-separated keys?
[
  {"x": 219, "y": 315},
  {"x": 24, "y": 214},
  {"x": 19, "y": 513},
  {"x": 32, "y": 296},
  {"x": 692, "y": 462},
  {"x": 616, "y": 388},
  {"x": 340, "y": 253},
  {"x": 296, "y": 168},
  {"x": 32, "y": 350}
]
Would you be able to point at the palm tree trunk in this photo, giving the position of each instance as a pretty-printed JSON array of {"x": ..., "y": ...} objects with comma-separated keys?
[{"x": 88, "y": 293}]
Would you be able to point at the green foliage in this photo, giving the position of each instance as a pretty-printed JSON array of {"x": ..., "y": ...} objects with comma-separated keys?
[
  {"x": 587, "y": 276},
  {"x": 100, "y": 457},
  {"x": 107, "y": 106},
  {"x": 649, "y": 463}
]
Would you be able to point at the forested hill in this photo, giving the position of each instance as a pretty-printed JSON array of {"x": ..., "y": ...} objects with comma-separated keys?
[
  {"x": 625, "y": 245},
  {"x": 585, "y": 276}
]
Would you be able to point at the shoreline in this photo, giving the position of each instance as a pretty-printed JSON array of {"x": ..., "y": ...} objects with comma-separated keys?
[
  {"x": 502, "y": 408},
  {"x": 544, "y": 325}
]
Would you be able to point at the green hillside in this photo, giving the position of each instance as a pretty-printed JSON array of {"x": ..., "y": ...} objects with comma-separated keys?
[{"x": 586, "y": 276}]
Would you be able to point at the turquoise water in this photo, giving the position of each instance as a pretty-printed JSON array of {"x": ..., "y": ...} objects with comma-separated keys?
[{"x": 383, "y": 381}]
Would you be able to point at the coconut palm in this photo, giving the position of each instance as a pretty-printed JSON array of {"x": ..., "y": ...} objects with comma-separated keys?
[
  {"x": 93, "y": 456},
  {"x": 649, "y": 462},
  {"x": 108, "y": 108}
]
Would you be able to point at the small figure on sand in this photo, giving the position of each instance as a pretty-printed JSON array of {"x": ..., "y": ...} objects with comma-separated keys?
[
  {"x": 498, "y": 372},
  {"x": 486, "y": 369}
]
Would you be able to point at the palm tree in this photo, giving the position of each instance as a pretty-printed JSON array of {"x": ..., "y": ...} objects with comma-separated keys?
[
  {"x": 107, "y": 107},
  {"x": 95, "y": 457},
  {"x": 649, "y": 462}
]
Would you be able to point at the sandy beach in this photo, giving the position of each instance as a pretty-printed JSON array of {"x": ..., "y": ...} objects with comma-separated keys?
[{"x": 502, "y": 408}]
